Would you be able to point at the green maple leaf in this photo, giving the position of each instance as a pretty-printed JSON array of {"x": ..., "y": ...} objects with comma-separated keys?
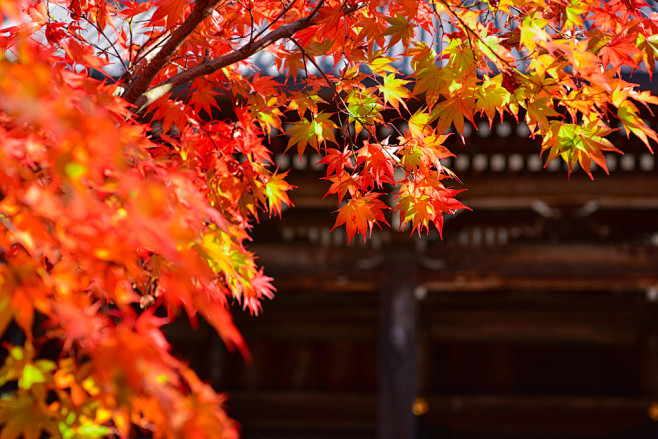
[
  {"x": 539, "y": 110},
  {"x": 627, "y": 114},
  {"x": 313, "y": 133},
  {"x": 575, "y": 143},
  {"x": 418, "y": 122},
  {"x": 364, "y": 109},
  {"x": 532, "y": 30},
  {"x": 275, "y": 190},
  {"x": 574, "y": 14},
  {"x": 416, "y": 210},
  {"x": 492, "y": 96},
  {"x": 381, "y": 64},
  {"x": 394, "y": 91},
  {"x": 461, "y": 57}
]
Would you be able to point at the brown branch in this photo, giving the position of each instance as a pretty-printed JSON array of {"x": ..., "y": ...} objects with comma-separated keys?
[
  {"x": 210, "y": 66},
  {"x": 142, "y": 82}
]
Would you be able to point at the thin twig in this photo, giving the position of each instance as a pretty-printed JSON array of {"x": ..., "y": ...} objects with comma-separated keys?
[{"x": 283, "y": 12}]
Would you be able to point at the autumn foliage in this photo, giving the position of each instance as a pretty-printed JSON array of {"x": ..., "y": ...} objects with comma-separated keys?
[{"x": 122, "y": 199}]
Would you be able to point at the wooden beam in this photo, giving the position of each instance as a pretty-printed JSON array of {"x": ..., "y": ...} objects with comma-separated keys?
[
  {"x": 617, "y": 191},
  {"x": 286, "y": 412},
  {"x": 478, "y": 281},
  {"x": 300, "y": 257},
  {"x": 539, "y": 416},
  {"x": 502, "y": 191},
  {"x": 510, "y": 317},
  {"x": 325, "y": 415},
  {"x": 312, "y": 322},
  {"x": 452, "y": 267},
  {"x": 537, "y": 266},
  {"x": 612, "y": 326}
]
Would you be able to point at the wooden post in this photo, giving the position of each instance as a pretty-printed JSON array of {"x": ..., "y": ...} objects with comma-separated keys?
[{"x": 397, "y": 351}]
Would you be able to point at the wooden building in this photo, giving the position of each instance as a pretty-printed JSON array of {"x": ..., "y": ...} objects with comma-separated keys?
[{"x": 535, "y": 317}]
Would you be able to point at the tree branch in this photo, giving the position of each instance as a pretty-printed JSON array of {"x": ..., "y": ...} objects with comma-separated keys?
[
  {"x": 210, "y": 66},
  {"x": 202, "y": 9}
]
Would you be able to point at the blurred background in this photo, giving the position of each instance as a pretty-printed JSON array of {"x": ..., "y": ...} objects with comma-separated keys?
[{"x": 536, "y": 315}]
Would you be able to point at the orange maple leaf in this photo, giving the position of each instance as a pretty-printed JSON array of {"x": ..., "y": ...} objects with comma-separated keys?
[{"x": 360, "y": 214}]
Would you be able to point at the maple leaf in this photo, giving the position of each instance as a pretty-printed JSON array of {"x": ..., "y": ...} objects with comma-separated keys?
[
  {"x": 419, "y": 211},
  {"x": 170, "y": 11},
  {"x": 532, "y": 31},
  {"x": 360, "y": 213},
  {"x": 54, "y": 34},
  {"x": 539, "y": 110},
  {"x": 452, "y": 112},
  {"x": 171, "y": 113},
  {"x": 627, "y": 114},
  {"x": 381, "y": 65},
  {"x": 259, "y": 286},
  {"x": 424, "y": 201},
  {"x": 574, "y": 15},
  {"x": 492, "y": 97},
  {"x": 314, "y": 132},
  {"x": 377, "y": 163},
  {"x": 270, "y": 116},
  {"x": 204, "y": 97},
  {"x": 275, "y": 190},
  {"x": 619, "y": 51},
  {"x": 490, "y": 46},
  {"x": 394, "y": 91},
  {"x": 373, "y": 27},
  {"x": 364, "y": 108},
  {"x": 343, "y": 183},
  {"x": 429, "y": 78},
  {"x": 83, "y": 55},
  {"x": 337, "y": 160},
  {"x": 132, "y": 8},
  {"x": 418, "y": 123},
  {"x": 303, "y": 102},
  {"x": 100, "y": 14},
  {"x": 399, "y": 30},
  {"x": 265, "y": 86},
  {"x": 148, "y": 326},
  {"x": 461, "y": 57},
  {"x": 576, "y": 143},
  {"x": 27, "y": 416},
  {"x": 38, "y": 14},
  {"x": 78, "y": 323},
  {"x": 433, "y": 151}
]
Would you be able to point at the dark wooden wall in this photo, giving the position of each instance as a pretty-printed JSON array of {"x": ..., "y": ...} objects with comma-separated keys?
[{"x": 535, "y": 317}]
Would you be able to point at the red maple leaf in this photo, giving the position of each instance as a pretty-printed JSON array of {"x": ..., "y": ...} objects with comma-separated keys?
[
  {"x": 337, "y": 160},
  {"x": 360, "y": 214},
  {"x": 619, "y": 51},
  {"x": 378, "y": 164}
]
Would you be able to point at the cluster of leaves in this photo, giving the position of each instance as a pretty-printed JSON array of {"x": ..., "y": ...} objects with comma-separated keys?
[
  {"x": 92, "y": 225},
  {"x": 121, "y": 198}
]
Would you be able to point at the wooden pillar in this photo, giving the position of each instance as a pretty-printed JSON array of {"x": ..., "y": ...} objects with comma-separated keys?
[{"x": 397, "y": 347}]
